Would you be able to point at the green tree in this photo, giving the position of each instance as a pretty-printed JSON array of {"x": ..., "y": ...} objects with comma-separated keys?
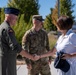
[
  {"x": 21, "y": 27},
  {"x": 27, "y": 7},
  {"x": 65, "y": 9},
  {"x": 48, "y": 25},
  {"x": 2, "y": 16}
]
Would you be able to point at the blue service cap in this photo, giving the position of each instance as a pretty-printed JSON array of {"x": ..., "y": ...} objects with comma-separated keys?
[{"x": 11, "y": 10}]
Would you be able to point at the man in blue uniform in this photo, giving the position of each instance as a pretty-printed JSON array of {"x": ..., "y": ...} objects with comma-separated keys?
[{"x": 9, "y": 47}]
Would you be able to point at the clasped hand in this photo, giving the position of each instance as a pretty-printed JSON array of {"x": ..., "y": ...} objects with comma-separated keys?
[{"x": 36, "y": 57}]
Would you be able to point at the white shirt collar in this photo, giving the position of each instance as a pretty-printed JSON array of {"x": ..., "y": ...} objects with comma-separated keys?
[{"x": 68, "y": 32}]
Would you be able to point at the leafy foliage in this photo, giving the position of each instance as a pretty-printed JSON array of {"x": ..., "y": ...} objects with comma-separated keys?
[
  {"x": 54, "y": 14},
  {"x": 65, "y": 9},
  {"x": 21, "y": 27},
  {"x": 52, "y": 40},
  {"x": 27, "y": 7},
  {"x": 1, "y": 15},
  {"x": 48, "y": 25}
]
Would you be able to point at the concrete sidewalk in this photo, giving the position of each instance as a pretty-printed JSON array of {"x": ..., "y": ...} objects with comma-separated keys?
[{"x": 22, "y": 69}]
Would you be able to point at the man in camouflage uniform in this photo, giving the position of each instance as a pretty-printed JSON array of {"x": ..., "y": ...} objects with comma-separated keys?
[
  {"x": 35, "y": 41},
  {"x": 9, "y": 47}
]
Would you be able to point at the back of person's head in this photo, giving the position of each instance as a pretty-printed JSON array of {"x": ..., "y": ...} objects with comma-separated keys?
[{"x": 64, "y": 23}]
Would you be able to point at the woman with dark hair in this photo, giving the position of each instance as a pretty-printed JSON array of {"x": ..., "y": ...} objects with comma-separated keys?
[{"x": 66, "y": 43}]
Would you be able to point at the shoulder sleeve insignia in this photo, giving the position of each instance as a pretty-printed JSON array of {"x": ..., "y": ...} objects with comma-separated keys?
[{"x": 10, "y": 30}]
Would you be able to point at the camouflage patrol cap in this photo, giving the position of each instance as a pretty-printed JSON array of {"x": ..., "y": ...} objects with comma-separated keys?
[{"x": 38, "y": 17}]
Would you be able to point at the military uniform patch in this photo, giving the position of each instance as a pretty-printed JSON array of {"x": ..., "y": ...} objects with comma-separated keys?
[{"x": 10, "y": 30}]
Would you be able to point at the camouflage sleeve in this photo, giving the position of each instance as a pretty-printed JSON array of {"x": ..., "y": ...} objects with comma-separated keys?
[
  {"x": 25, "y": 42},
  {"x": 47, "y": 45},
  {"x": 25, "y": 45}
]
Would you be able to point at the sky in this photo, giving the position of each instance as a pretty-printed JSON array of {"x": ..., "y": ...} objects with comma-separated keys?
[{"x": 45, "y": 6}]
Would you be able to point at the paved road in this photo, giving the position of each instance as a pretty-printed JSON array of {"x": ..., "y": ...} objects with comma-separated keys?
[{"x": 22, "y": 70}]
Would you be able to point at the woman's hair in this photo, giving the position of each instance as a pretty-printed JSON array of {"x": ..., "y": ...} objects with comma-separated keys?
[{"x": 64, "y": 23}]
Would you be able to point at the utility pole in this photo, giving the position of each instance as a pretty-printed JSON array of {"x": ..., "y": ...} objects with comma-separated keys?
[
  {"x": 58, "y": 14},
  {"x": 58, "y": 8},
  {"x": 0, "y": 15},
  {"x": 0, "y": 50}
]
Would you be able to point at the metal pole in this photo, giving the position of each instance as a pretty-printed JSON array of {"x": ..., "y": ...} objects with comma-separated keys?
[
  {"x": 58, "y": 8},
  {"x": 0, "y": 14},
  {"x": 58, "y": 14}
]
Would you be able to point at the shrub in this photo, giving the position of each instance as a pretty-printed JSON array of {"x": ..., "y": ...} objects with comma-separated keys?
[{"x": 52, "y": 40}]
